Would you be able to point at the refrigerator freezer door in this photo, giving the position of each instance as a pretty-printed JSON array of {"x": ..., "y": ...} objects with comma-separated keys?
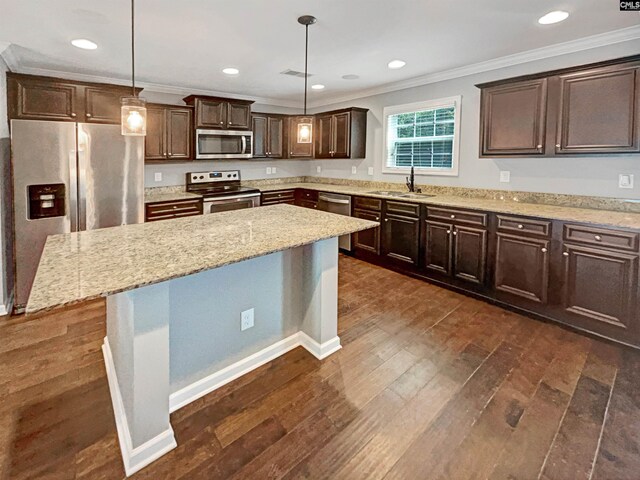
[
  {"x": 110, "y": 177},
  {"x": 43, "y": 153}
]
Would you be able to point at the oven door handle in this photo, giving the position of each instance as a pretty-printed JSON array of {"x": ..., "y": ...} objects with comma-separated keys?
[
  {"x": 334, "y": 200},
  {"x": 244, "y": 144},
  {"x": 234, "y": 197}
]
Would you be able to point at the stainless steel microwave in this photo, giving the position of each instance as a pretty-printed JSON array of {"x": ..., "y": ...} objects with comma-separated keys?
[{"x": 223, "y": 144}]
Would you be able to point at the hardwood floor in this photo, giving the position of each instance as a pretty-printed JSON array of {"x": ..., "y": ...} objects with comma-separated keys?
[{"x": 429, "y": 384}]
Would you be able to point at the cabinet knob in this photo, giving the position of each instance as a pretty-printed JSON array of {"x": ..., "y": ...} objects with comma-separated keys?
[
  {"x": 221, "y": 123},
  {"x": 165, "y": 153},
  {"x": 448, "y": 232},
  {"x": 598, "y": 238},
  {"x": 455, "y": 233},
  {"x": 543, "y": 250},
  {"x": 175, "y": 206},
  {"x": 566, "y": 254},
  {"x": 377, "y": 219},
  {"x": 539, "y": 147},
  {"x": 453, "y": 216},
  {"x": 88, "y": 115},
  {"x": 386, "y": 219},
  {"x": 520, "y": 226},
  {"x": 230, "y": 123},
  {"x": 557, "y": 145},
  {"x": 169, "y": 154},
  {"x": 73, "y": 114}
]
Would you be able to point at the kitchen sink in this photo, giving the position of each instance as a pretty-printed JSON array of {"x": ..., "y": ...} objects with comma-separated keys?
[{"x": 400, "y": 194}]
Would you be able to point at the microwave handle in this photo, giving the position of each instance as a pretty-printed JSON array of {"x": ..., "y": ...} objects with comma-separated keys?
[{"x": 244, "y": 144}]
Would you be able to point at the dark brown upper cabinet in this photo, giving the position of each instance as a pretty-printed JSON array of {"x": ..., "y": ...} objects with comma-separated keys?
[
  {"x": 589, "y": 109},
  {"x": 298, "y": 149},
  {"x": 341, "y": 133},
  {"x": 169, "y": 133},
  {"x": 599, "y": 111},
  {"x": 33, "y": 97},
  {"x": 514, "y": 118},
  {"x": 220, "y": 113},
  {"x": 268, "y": 135}
]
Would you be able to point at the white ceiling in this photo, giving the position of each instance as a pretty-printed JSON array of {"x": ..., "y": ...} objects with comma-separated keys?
[{"x": 187, "y": 43}]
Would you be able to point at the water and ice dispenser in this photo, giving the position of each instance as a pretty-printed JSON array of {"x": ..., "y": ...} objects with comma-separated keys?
[{"x": 46, "y": 201}]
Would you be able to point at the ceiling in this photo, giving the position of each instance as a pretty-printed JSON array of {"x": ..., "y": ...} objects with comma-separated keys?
[{"x": 186, "y": 44}]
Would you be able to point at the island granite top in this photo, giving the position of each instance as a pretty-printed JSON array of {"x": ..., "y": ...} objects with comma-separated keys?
[{"x": 81, "y": 266}]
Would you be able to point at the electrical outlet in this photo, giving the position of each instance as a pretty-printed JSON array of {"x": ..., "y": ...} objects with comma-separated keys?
[
  {"x": 268, "y": 170},
  {"x": 505, "y": 176},
  {"x": 274, "y": 170},
  {"x": 246, "y": 319},
  {"x": 354, "y": 169},
  {"x": 157, "y": 176},
  {"x": 625, "y": 180},
  {"x": 370, "y": 171},
  {"x": 318, "y": 169}
]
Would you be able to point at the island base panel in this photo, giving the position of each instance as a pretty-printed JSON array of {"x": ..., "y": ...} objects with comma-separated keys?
[{"x": 172, "y": 343}]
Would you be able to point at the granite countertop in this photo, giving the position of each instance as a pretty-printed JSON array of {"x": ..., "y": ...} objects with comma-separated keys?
[
  {"x": 507, "y": 206},
  {"x": 85, "y": 265},
  {"x": 156, "y": 197}
]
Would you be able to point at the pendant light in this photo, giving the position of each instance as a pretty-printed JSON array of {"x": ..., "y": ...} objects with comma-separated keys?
[
  {"x": 133, "y": 112},
  {"x": 305, "y": 130}
]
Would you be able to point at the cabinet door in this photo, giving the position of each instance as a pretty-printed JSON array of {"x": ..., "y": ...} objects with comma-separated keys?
[
  {"x": 239, "y": 116},
  {"x": 296, "y": 149},
  {"x": 513, "y": 118},
  {"x": 259, "y": 126},
  {"x": 470, "y": 254},
  {"x": 324, "y": 136},
  {"x": 341, "y": 130},
  {"x": 211, "y": 113},
  {"x": 276, "y": 137},
  {"x": 179, "y": 130},
  {"x": 522, "y": 267},
  {"x": 368, "y": 240},
  {"x": 155, "y": 146},
  {"x": 401, "y": 238},
  {"x": 438, "y": 247},
  {"x": 41, "y": 99},
  {"x": 102, "y": 105},
  {"x": 599, "y": 112},
  {"x": 601, "y": 288}
]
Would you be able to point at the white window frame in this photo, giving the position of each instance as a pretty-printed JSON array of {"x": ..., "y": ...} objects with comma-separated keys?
[{"x": 416, "y": 107}]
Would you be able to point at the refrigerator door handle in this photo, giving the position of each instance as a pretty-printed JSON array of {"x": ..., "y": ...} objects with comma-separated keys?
[
  {"x": 73, "y": 191},
  {"x": 83, "y": 145}
]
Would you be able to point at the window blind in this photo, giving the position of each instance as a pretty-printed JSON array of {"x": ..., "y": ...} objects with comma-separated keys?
[{"x": 422, "y": 139}]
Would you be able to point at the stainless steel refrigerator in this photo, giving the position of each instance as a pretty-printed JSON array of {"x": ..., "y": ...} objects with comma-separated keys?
[{"x": 69, "y": 177}]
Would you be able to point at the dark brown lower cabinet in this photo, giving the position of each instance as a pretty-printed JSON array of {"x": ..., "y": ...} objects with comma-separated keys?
[
  {"x": 368, "y": 240},
  {"x": 401, "y": 238},
  {"x": 438, "y": 247},
  {"x": 600, "y": 290},
  {"x": 522, "y": 268},
  {"x": 469, "y": 254}
]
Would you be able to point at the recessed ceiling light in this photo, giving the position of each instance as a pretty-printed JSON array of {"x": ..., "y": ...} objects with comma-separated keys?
[
  {"x": 318, "y": 86},
  {"x": 553, "y": 17},
  {"x": 84, "y": 44},
  {"x": 231, "y": 71},
  {"x": 395, "y": 64},
  {"x": 351, "y": 76}
]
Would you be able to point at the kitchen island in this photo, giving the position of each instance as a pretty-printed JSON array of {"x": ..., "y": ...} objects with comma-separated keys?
[{"x": 175, "y": 294}]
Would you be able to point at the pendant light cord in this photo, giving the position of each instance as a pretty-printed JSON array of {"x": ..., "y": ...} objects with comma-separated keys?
[
  {"x": 133, "y": 50},
  {"x": 306, "y": 57}
]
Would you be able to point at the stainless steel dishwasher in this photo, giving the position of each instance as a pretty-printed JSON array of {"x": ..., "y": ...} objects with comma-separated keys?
[{"x": 340, "y": 204}]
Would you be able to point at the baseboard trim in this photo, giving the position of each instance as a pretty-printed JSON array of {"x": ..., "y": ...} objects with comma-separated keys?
[
  {"x": 212, "y": 382},
  {"x": 137, "y": 458},
  {"x": 6, "y": 309}
]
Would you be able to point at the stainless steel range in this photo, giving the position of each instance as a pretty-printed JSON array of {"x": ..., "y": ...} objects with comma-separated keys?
[{"x": 222, "y": 191}]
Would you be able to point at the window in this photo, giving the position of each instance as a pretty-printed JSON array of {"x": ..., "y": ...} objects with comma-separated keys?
[{"x": 423, "y": 135}]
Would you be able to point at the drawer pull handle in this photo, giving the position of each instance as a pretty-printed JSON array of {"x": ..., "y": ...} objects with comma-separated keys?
[
  {"x": 175, "y": 206},
  {"x": 520, "y": 226},
  {"x": 453, "y": 216},
  {"x": 566, "y": 254},
  {"x": 543, "y": 250},
  {"x": 598, "y": 238}
]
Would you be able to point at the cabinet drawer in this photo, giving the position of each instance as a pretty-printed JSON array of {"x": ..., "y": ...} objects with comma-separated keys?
[
  {"x": 366, "y": 203},
  {"x": 307, "y": 203},
  {"x": 401, "y": 208},
  {"x": 308, "y": 195},
  {"x": 166, "y": 210},
  {"x": 462, "y": 216},
  {"x": 279, "y": 196},
  {"x": 602, "y": 237},
  {"x": 524, "y": 225}
]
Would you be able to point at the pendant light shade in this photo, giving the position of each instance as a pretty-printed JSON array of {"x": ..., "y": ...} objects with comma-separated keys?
[
  {"x": 305, "y": 130},
  {"x": 133, "y": 112}
]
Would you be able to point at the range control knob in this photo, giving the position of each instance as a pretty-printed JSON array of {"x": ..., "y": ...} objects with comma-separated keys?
[
  {"x": 228, "y": 175},
  {"x": 201, "y": 177}
]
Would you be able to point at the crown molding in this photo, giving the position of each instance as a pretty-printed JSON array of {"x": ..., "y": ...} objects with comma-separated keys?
[
  {"x": 3, "y": 46},
  {"x": 572, "y": 46},
  {"x": 6, "y": 52}
]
